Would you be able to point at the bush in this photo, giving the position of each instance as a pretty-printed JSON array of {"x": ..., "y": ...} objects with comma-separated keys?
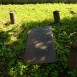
[{"x": 32, "y": 1}]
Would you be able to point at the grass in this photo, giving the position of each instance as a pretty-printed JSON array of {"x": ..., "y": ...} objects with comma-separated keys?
[{"x": 13, "y": 38}]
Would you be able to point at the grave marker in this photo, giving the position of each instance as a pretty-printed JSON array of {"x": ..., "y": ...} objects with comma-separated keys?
[
  {"x": 72, "y": 60},
  {"x": 40, "y": 46}
]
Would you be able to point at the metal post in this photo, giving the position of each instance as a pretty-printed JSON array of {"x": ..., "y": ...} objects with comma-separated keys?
[
  {"x": 12, "y": 18},
  {"x": 56, "y": 17},
  {"x": 72, "y": 59}
]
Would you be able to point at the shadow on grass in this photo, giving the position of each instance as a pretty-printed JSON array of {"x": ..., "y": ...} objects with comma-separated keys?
[
  {"x": 11, "y": 63},
  {"x": 64, "y": 34},
  {"x": 71, "y": 27},
  {"x": 4, "y": 37}
]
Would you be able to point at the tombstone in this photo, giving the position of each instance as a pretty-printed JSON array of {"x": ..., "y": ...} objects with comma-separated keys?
[
  {"x": 56, "y": 17},
  {"x": 40, "y": 47},
  {"x": 12, "y": 18},
  {"x": 72, "y": 59}
]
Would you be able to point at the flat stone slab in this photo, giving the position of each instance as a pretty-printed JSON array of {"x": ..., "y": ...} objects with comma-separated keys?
[{"x": 40, "y": 46}]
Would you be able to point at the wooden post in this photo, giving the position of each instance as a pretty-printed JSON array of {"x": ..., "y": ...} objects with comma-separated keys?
[
  {"x": 56, "y": 17},
  {"x": 72, "y": 59},
  {"x": 12, "y": 18}
]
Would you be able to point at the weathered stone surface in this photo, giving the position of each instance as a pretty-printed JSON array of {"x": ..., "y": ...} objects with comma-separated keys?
[
  {"x": 72, "y": 58},
  {"x": 40, "y": 47}
]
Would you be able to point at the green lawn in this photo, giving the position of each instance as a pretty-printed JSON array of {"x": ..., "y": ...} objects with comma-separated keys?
[{"x": 13, "y": 38}]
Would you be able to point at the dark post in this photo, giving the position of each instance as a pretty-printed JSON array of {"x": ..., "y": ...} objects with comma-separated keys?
[
  {"x": 56, "y": 17},
  {"x": 12, "y": 18},
  {"x": 72, "y": 59}
]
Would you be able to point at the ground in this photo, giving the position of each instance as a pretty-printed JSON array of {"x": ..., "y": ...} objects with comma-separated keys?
[{"x": 13, "y": 38}]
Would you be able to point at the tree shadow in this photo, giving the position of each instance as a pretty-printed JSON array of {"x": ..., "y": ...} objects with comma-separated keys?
[
  {"x": 63, "y": 35},
  {"x": 71, "y": 27},
  {"x": 4, "y": 37}
]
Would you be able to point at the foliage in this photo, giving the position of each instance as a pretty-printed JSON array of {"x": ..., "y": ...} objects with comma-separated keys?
[
  {"x": 35, "y": 1},
  {"x": 13, "y": 38},
  {"x": 28, "y": 1}
]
